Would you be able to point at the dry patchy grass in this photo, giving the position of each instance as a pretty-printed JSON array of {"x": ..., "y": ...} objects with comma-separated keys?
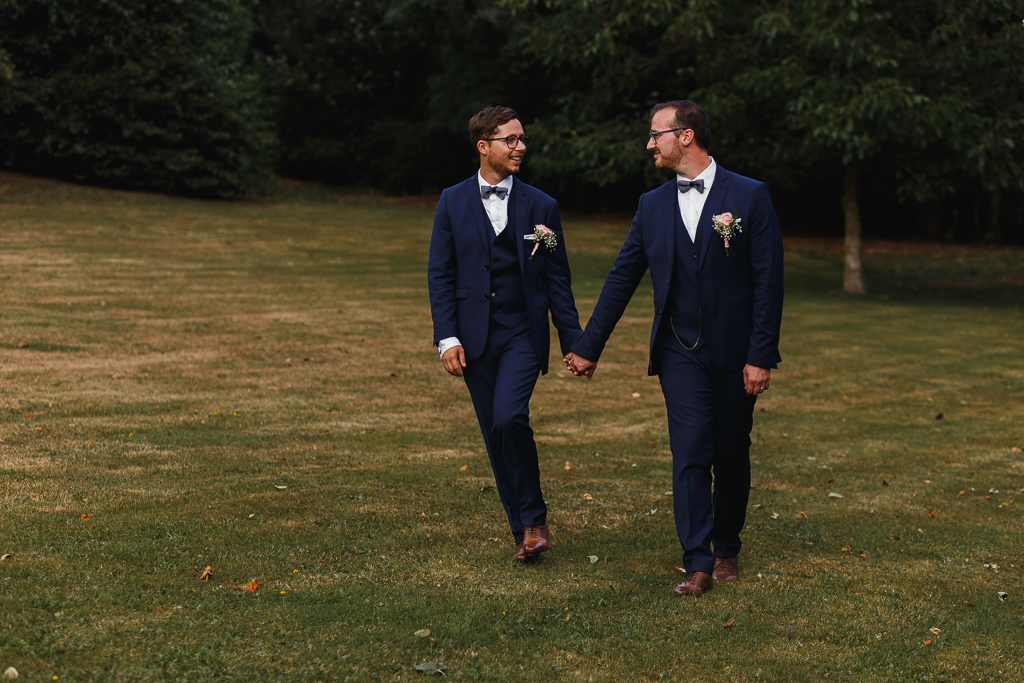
[{"x": 168, "y": 364}]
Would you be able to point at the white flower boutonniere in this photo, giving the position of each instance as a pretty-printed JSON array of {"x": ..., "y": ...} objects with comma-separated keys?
[
  {"x": 542, "y": 234},
  {"x": 727, "y": 226}
]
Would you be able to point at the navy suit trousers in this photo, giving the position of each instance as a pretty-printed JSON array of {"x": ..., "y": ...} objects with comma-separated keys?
[
  {"x": 501, "y": 382},
  {"x": 709, "y": 422}
]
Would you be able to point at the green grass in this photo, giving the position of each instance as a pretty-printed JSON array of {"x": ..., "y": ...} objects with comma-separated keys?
[{"x": 166, "y": 364}]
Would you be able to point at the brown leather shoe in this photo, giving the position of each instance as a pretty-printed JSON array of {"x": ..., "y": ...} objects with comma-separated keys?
[
  {"x": 523, "y": 556},
  {"x": 696, "y": 583},
  {"x": 726, "y": 568},
  {"x": 535, "y": 539}
]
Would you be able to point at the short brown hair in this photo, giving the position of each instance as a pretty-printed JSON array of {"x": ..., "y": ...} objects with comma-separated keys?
[
  {"x": 689, "y": 115},
  {"x": 486, "y": 123}
]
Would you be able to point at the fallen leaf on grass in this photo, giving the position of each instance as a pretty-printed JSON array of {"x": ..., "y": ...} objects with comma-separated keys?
[
  {"x": 636, "y": 395},
  {"x": 935, "y": 630},
  {"x": 927, "y": 642},
  {"x": 250, "y": 587},
  {"x": 835, "y": 495},
  {"x": 962, "y": 493},
  {"x": 587, "y": 496},
  {"x": 931, "y": 513},
  {"x": 895, "y": 538},
  {"x": 5, "y": 557},
  {"x": 11, "y": 672},
  {"x": 593, "y": 559},
  {"x": 463, "y": 468},
  {"x": 775, "y": 515},
  {"x": 280, "y": 488},
  {"x": 681, "y": 569},
  {"x": 431, "y": 668},
  {"x": 568, "y": 465},
  {"x": 207, "y": 573},
  {"x": 841, "y": 455},
  {"x": 801, "y": 515},
  {"x": 1003, "y": 596},
  {"x": 864, "y": 555},
  {"x": 422, "y": 633},
  {"x": 729, "y": 624},
  {"x": 970, "y": 604},
  {"x": 846, "y": 549},
  {"x": 86, "y": 517},
  {"x": 494, "y": 540},
  {"x": 252, "y": 515},
  {"x": 885, "y": 483}
]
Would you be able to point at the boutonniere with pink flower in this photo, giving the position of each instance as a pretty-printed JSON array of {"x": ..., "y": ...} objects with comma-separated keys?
[
  {"x": 728, "y": 226},
  {"x": 542, "y": 234}
]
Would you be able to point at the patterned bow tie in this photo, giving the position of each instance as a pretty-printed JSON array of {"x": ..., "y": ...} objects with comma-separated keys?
[
  {"x": 487, "y": 190},
  {"x": 685, "y": 185}
]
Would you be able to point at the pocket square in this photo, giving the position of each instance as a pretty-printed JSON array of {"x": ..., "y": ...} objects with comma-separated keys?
[{"x": 530, "y": 238}]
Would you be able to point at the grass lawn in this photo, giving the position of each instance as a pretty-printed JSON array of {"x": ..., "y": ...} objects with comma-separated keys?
[{"x": 251, "y": 387}]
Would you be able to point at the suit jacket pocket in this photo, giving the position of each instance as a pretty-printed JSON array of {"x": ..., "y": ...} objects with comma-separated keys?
[
  {"x": 742, "y": 300},
  {"x": 461, "y": 293}
]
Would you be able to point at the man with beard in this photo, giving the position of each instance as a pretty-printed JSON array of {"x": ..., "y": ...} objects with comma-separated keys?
[
  {"x": 494, "y": 272},
  {"x": 712, "y": 243}
]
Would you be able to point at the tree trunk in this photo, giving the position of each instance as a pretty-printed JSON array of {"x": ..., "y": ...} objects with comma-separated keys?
[
  {"x": 992, "y": 235},
  {"x": 853, "y": 277}
]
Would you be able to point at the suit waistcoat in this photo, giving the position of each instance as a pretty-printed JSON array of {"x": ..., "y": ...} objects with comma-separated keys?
[
  {"x": 684, "y": 292},
  {"x": 508, "y": 299}
]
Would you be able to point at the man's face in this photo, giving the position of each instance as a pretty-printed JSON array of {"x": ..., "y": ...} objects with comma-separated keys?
[
  {"x": 503, "y": 160},
  {"x": 667, "y": 151}
]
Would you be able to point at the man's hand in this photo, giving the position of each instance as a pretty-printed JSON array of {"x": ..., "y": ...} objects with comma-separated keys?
[
  {"x": 454, "y": 360},
  {"x": 580, "y": 366},
  {"x": 756, "y": 380}
]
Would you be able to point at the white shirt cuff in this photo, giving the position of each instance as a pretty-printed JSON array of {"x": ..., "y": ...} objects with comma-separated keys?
[{"x": 447, "y": 343}]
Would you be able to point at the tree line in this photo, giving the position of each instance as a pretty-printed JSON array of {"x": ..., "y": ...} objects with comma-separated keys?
[{"x": 904, "y": 116}]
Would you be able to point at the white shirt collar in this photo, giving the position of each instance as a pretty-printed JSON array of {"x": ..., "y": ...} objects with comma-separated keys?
[
  {"x": 707, "y": 175},
  {"x": 506, "y": 183}
]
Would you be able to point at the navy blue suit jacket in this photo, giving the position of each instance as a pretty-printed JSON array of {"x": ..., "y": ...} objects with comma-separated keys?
[
  {"x": 459, "y": 280},
  {"x": 740, "y": 294}
]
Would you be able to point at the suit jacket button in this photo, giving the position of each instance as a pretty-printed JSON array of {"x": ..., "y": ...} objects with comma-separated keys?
[
  {"x": 694, "y": 256},
  {"x": 487, "y": 267},
  {"x": 486, "y": 297},
  {"x": 493, "y": 294}
]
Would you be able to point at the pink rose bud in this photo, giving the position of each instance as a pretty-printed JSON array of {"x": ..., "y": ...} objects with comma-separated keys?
[
  {"x": 727, "y": 244},
  {"x": 726, "y": 217}
]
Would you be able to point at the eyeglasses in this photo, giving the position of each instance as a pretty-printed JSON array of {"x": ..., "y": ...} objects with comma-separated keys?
[
  {"x": 656, "y": 133},
  {"x": 512, "y": 140}
]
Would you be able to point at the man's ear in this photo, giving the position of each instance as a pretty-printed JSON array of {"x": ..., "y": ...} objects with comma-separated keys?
[{"x": 482, "y": 146}]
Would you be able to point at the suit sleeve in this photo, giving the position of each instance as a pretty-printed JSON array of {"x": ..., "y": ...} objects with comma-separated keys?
[
  {"x": 766, "y": 274},
  {"x": 441, "y": 274},
  {"x": 561, "y": 302},
  {"x": 619, "y": 286}
]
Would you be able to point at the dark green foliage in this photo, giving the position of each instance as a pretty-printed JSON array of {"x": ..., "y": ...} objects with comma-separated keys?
[
  {"x": 136, "y": 94},
  {"x": 380, "y": 93}
]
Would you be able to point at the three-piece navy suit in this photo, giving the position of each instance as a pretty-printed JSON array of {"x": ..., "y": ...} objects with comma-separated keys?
[
  {"x": 485, "y": 290},
  {"x": 713, "y": 314}
]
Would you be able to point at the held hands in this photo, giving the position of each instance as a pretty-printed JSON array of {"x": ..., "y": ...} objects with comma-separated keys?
[
  {"x": 579, "y": 365},
  {"x": 756, "y": 380},
  {"x": 454, "y": 360}
]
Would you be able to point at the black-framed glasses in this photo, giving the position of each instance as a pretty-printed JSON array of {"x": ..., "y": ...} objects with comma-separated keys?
[
  {"x": 512, "y": 140},
  {"x": 656, "y": 133}
]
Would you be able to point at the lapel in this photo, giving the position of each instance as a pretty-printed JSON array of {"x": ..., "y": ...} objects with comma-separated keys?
[
  {"x": 476, "y": 210},
  {"x": 518, "y": 211},
  {"x": 670, "y": 212},
  {"x": 712, "y": 207}
]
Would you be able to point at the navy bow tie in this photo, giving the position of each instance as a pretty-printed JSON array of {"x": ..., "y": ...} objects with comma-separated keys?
[
  {"x": 685, "y": 185},
  {"x": 487, "y": 190}
]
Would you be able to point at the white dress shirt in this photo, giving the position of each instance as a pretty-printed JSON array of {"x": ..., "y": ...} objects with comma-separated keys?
[
  {"x": 497, "y": 212},
  {"x": 691, "y": 202}
]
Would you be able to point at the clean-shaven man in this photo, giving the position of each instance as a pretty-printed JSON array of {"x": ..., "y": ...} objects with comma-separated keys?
[
  {"x": 493, "y": 279},
  {"x": 711, "y": 240}
]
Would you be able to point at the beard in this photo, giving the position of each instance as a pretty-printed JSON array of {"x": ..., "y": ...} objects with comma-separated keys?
[{"x": 506, "y": 167}]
